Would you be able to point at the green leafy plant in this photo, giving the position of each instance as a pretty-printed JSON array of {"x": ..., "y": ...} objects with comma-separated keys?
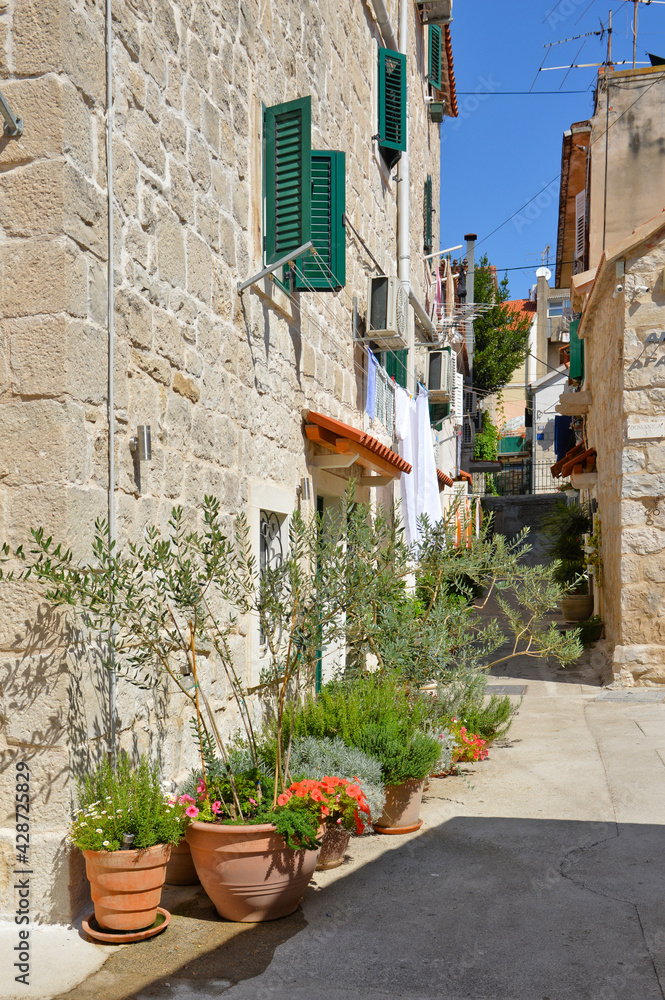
[
  {"x": 590, "y": 630},
  {"x": 501, "y": 334},
  {"x": 317, "y": 757},
  {"x": 486, "y": 447},
  {"x": 564, "y": 529},
  {"x": 125, "y": 800}
]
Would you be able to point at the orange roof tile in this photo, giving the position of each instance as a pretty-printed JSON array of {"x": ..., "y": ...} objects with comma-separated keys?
[
  {"x": 444, "y": 480},
  {"x": 454, "y": 110},
  {"x": 334, "y": 431}
]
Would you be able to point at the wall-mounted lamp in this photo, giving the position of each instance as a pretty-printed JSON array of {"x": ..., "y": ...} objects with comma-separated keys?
[
  {"x": 306, "y": 488},
  {"x": 140, "y": 445}
]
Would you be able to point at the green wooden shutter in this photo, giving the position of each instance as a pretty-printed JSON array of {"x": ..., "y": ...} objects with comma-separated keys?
[
  {"x": 392, "y": 99},
  {"x": 434, "y": 59},
  {"x": 576, "y": 353},
  {"x": 396, "y": 366},
  {"x": 427, "y": 215},
  {"x": 287, "y": 173},
  {"x": 326, "y": 270}
]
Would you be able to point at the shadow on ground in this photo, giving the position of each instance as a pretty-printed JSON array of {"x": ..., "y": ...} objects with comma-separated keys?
[{"x": 489, "y": 909}]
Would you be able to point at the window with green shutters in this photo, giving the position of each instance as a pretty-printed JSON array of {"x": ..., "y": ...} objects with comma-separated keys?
[
  {"x": 392, "y": 104},
  {"x": 326, "y": 269},
  {"x": 395, "y": 363},
  {"x": 287, "y": 177},
  {"x": 427, "y": 215},
  {"x": 434, "y": 56},
  {"x": 576, "y": 353}
]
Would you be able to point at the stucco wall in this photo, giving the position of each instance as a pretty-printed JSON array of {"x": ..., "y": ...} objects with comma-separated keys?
[{"x": 222, "y": 380}]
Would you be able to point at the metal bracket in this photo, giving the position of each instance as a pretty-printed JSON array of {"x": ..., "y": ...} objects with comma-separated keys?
[
  {"x": 305, "y": 248},
  {"x": 13, "y": 123}
]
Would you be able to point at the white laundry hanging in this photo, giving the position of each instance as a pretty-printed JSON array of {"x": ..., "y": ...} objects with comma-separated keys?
[{"x": 419, "y": 489}]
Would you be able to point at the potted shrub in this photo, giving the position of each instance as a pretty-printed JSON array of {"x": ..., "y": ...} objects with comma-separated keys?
[
  {"x": 125, "y": 827},
  {"x": 564, "y": 530}
]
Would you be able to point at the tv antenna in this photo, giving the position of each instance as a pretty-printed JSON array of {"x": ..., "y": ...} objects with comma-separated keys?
[{"x": 603, "y": 31}]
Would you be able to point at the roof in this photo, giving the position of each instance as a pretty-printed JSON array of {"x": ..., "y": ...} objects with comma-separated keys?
[
  {"x": 444, "y": 480},
  {"x": 525, "y": 306},
  {"x": 577, "y": 459},
  {"x": 450, "y": 107},
  {"x": 550, "y": 377},
  {"x": 335, "y": 435}
]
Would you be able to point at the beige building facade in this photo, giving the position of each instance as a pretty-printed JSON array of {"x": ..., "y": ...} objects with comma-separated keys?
[
  {"x": 221, "y": 377},
  {"x": 616, "y": 390}
]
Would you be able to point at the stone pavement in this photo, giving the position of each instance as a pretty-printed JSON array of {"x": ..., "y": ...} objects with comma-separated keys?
[{"x": 538, "y": 875}]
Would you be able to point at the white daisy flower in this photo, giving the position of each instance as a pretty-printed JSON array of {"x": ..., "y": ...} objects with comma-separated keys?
[
  {"x": 105, "y": 843},
  {"x": 99, "y": 830}
]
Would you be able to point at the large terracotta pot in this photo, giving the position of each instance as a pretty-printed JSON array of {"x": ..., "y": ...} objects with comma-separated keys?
[
  {"x": 335, "y": 842},
  {"x": 126, "y": 886},
  {"x": 248, "y": 872},
  {"x": 180, "y": 869},
  {"x": 401, "y": 812},
  {"x": 577, "y": 607}
]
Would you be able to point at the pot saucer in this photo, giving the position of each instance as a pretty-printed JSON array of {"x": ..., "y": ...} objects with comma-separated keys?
[
  {"x": 398, "y": 829},
  {"x": 97, "y": 933}
]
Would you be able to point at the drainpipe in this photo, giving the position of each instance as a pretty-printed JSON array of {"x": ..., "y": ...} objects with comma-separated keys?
[
  {"x": 386, "y": 28},
  {"x": 470, "y": 294},
  {"x": 403, "y": 192},
  {"x": 110, "y": 311}
]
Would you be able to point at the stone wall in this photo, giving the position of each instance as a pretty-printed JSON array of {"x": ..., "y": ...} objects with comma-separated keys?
[
  {"x": 624, "y": 373},
  {"x": 221, "y": 379}
]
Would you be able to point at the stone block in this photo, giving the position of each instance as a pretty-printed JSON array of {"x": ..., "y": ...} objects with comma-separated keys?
[
  {"x": 646, "y": 663},
  {"x": 32, "y": 199},
  {"x": 41, "y": 275},
  {"x": 165, "y": 23},
  {"x": 151, "y": 56},
  {"x": 51, "y": 787},
  {"x": 46, "y": 353},
  {"x": 34, "y": 686},
  {"x": 186, "y": 387},
  {"x": 199, "y": 269},
  {"x": 133, "y": 318},
  {"x": 58, "y": 889},
  {"x": 632, "y": 512},
  {"x": 636, "y": 486},
  {"x": 198, "y": 158},
  {"x": 632, "y": 460},
  {"x": 168, "y": 338},
  {"x": 182, "y": 191},
  {"x": 83, "y": 51},
  {"x": 86, "y": 213},
  {"x": 197, "y": 62},
  {"x": 44, "y": 441},
  {"x": 144, "y": 138},
  {"x": 171, "y": 250},
  {"x": 125, "y": 180},
  {"x": 137, "y": 243},
  {"x": 174, "y": 133},
  {"x": 157, "y": 368},
  {"x": 643, "y": 541},
  {"x": 35, "y": 26}
]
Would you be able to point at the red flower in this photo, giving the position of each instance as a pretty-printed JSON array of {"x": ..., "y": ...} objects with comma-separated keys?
[
  {"x": 315, "y": 795},
  {"x": 283, "y": 798},
  {"x": 354, "y": 791}
]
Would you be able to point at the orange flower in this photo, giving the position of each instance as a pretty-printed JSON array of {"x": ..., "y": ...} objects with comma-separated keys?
[{"x": 283, "y": 798}]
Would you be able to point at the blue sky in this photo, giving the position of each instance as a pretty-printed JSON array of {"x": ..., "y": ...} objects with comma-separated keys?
[{"x": 503, "y": 149}]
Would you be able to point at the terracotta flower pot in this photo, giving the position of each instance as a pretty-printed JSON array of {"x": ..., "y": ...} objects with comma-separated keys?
[
  {"x": 335, "y": 842},
  {"x": 248, "y": 872},
  {"x": 577, "y": 607},
  {"x": 126, "y": 886},
  {"x": 180, "y": 869},
  {"x": 401, "y": 812}
]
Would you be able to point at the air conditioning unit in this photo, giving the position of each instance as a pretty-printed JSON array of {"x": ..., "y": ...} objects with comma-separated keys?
[
  {"x": 468, "y": 431},
  {"x": 435, "y": 11},
  {"x": 470, "y": 402},
  {"x": 387, "y": 312},
  {"x": 438, "y": 376}
]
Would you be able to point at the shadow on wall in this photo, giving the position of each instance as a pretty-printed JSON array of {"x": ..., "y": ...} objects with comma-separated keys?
[{"x": 491, "y": 908}]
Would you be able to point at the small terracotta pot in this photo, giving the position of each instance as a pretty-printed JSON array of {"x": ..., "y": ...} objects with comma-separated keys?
[
  {"x": 402, "y": 808},
  {"x": 126, "y": 886},
  {"x": 248, "y": 872},
  {"x": 180, "y": 869},
  {"x": 335, "y": 843}
]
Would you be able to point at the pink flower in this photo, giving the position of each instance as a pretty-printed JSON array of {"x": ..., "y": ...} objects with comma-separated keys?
[
  {"x": 283, "y": 798},
  {"x": 191, "y": 811},
  {"x": 201, "y": 787},
  {"x": 185, "y": 798},
  {"x": 216, "y": 807},
  {"x": 253, "y": 801}
]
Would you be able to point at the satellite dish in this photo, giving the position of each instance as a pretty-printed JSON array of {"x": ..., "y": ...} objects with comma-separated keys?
[{"x": 544, "y": 272}]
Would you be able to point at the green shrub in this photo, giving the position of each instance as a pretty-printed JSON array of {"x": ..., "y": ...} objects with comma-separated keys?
[{"x": 320, "y": 757}]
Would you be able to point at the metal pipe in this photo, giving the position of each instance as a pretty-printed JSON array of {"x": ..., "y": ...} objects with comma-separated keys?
[
  {"x": 403, "y": 191},
  {"x": 385, "y": 27},
  {"x": 110, "y": 322},
  {"x": 440, "y": 253},
  {"x": 421, "y": 313},
  {"x": 470, "y": 293}
]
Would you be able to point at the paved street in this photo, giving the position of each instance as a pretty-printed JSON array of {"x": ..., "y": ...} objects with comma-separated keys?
[{"x": 538, "y": 875}]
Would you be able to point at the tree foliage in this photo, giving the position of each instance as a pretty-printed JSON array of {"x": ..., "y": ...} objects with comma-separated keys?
[{"x": 501, "y": 335}]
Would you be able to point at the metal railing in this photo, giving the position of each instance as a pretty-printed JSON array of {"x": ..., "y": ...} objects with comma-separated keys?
[{"x": 516, "y": 480}]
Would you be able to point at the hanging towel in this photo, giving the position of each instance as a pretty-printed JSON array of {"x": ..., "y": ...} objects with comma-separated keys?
[
  {"x": 406, "y": 434},
  {"x": 439, "y": 294},
  {"x": 450, "y": 290},
  {"x": 372, "y": 365},
  {"x": 428, "y": 499}
]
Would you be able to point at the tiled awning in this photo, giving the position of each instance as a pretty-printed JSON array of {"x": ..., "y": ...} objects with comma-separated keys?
[
  {"x": 444, "y": 480},
  {"x": 579, "y": 455},
  {"x": 358, "y": 446}
]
